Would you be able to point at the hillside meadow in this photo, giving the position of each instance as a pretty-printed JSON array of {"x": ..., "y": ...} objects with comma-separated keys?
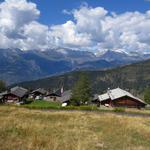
[{"x": 23, "y": 129}]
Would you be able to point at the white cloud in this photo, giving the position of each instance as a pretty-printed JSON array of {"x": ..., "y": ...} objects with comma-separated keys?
[
  {"x": 67, "y": 35},
  {"x": 89, "y": 20},
  {"x": 36, "y": 36},
  {"x": 91, "y": 29},
  {"x": 14, "y": 15},
  {"x": 4, "y": 41},
  {"x": 101, "y": 31}
]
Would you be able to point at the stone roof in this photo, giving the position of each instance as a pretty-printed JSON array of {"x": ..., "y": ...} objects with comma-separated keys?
[
  {"x": 40, "y": 90},
  {"x": 56, "y": 93},
  {"x": 117, "y": 93},
  {"x": 3, "y": 93},
  {"x": 19, "y": 91},
  {"x": 65, "y": 96}
]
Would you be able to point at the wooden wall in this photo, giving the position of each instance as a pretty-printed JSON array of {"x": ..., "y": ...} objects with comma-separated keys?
[
  {"x": 10, "y": 98},
  {"x": 124, "y": 102}
]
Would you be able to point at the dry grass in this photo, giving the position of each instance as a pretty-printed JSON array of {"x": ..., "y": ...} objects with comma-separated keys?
[
  {"x": 23, "y": 129},
  {"x": 138, "y": 111}
]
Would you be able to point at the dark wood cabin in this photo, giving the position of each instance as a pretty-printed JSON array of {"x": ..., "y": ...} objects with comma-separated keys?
[
  {"x": 95, "y": 101},
  {"x": 2, "y": 96},
  {"x": 10, "y": 98},
  {"x": 124, "y": 102},
  {"x": 53, "y": 96},
  {"x": 15, "y": 94},
  {"x": 120, "y": 98},
  {"x": 38, "y": 94},
  {"x": 65, "y": 97}
]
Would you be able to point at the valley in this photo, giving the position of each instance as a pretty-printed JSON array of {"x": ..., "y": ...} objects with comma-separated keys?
[
  {"x": 134, "y": 78},
  {"x": 17, "y": 65}
]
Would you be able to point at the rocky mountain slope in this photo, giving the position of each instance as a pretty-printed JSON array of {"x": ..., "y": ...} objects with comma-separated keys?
[
  {"x": 17, "y": 65},
  {"x": 134, "y": 77}
]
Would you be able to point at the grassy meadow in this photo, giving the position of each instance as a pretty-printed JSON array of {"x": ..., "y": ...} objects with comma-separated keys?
[
  {"x": 22, "y": 129},
  {"x": 41, "y": 104}
]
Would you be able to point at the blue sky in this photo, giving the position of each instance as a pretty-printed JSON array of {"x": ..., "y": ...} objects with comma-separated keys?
[{"x": 51, "y": 10}]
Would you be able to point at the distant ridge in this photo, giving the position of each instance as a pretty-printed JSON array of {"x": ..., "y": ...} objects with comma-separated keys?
[
  {"x": 134, "y": 77},
  {"x": 18, "y": 66}
]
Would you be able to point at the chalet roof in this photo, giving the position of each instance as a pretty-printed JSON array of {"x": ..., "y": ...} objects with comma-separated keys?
[
  {"x": 65, "y": 96},
  {"x": 40, "y": 90},
  {"x": 95, "y": 97},
  {"x": 53, "y": 94},
  {"x": 56, "y": 93},
  {"x": 3, "y": 93},
  {"x": 103, "y": 97},
  {"x": 117, "y": 93},
  {"x": 19, "y": 91}
]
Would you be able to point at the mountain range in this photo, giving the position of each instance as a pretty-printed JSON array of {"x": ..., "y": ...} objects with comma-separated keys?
[
  {"x": 17, "y": 65},
  {"x": 134, "y": 78}
]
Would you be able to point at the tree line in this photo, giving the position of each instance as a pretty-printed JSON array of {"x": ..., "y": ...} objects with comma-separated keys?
[{"x": 81, "y": 92}]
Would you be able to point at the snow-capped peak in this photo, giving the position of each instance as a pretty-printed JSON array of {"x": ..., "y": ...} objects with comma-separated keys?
[
  {"x": 63, "y": 51},
  {"x": 102, "y": 52}
]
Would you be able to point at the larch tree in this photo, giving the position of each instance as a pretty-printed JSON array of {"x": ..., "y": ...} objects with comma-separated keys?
[
  {"x": 2, "y": 86},
  {"x": 81, "y": 92},
  {"x": 147, "y": 95}
]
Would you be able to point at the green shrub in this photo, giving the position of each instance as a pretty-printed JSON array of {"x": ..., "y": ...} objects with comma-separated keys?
[
  {"x": 119, "y": 109},
  {"x": 87, "y": 107},
  {"x": 70, "y": 107},
  {"x": 147, "y": 95},
  {"x": 40, "y": 104}
]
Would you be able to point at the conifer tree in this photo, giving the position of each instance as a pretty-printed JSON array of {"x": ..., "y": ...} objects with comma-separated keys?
[
  {"x": 147, "y": 95},
  {"x": 81, "y": 92},
  {"x": 2, "y": 86}
]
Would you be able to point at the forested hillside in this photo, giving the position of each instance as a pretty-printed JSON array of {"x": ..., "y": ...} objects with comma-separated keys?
[{"x": 135, "y": 78}]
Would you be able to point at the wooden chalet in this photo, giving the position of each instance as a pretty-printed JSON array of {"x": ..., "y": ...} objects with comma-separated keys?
[
  {"x": 53, "y": 96},
  {"x": 15, "y": 94},
  {"x": 2, "y": 96},
  {"x": 38, "y": 94},
  {"x": 95, "y": 100},
  {"x": 120, "y": 98},
  {"x": 59, "y": 97},
  {"x": 65, "y": 97}
]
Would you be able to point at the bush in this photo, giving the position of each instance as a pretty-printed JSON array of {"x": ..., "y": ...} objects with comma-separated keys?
[
  {"x": 71, "y": 107},
  {"x": 119, "y": 109},
  {"x": 28, "y": 101}
]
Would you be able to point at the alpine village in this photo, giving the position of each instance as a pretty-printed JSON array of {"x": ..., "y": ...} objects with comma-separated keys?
[
  {"x": 79, "y": 95},
  {"x": 74, "y": 75}
]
